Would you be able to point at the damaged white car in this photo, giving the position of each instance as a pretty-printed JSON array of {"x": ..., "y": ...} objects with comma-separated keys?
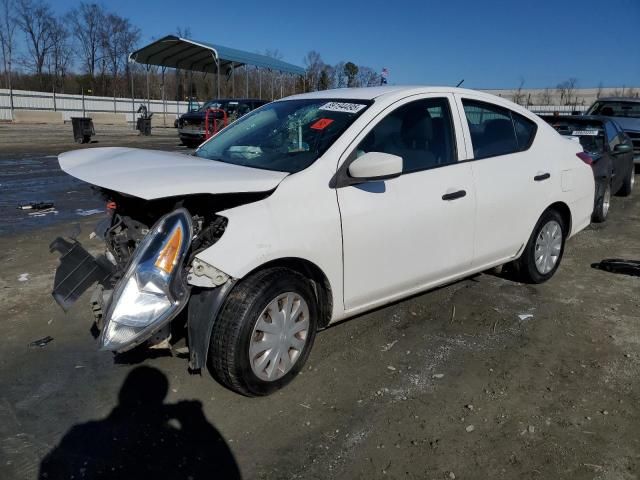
[{"x": 313, "y": 209}]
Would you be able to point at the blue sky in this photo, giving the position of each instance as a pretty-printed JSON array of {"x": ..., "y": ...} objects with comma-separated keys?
[{"x": 489, "y": 43}]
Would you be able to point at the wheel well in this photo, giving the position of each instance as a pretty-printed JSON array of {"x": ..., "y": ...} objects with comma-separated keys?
[
  {"x": 319, "y": 283},
  {"x": 564, "y": 212}
]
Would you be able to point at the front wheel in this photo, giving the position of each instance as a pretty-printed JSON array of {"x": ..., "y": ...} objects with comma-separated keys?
[
  {"x": 543, "y": 252},
  {"x": 264, "y": 333}
]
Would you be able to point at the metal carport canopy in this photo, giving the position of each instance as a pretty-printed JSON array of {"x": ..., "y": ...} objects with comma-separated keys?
[{"x": 175, "y": 52}]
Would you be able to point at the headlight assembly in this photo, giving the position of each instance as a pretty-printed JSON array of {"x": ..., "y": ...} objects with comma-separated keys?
[{"x": 152, "y": 291}]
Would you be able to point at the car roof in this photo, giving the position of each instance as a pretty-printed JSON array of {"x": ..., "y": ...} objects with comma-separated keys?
[
  {"x": 234, "y": 100},
  {"x": 586, "y": 118},
  {"x": 619, "y": 99},
  {"x": 371, "y": 93}
]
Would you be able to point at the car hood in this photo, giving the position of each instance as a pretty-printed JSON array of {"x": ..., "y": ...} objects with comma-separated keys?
[
  {"x": 152, "y": 174},
  {"x": 628, "y": 123}
]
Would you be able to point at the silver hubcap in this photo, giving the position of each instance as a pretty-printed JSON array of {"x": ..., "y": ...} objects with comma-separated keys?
[
  {"x": 606, "y": 201},
  {"x": 548, "y": 246},
  {"x": 279, "y": 336}
]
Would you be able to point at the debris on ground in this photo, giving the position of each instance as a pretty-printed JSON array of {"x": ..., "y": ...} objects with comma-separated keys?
[
  {"x": 41, "y": 342},
  {"x": 86, "y": 213},
  {"x": 618, "y": 265},
  {"x": 470, "y": 428},
  {"x": 388, "y": 346},
  {"x": 437, "y": 375},
  {"x": 44, "y": 212},
  {"x": 525, "y": 316},
  {"x": 36, "y": 206},
  {"x": 23, "y": 277}
]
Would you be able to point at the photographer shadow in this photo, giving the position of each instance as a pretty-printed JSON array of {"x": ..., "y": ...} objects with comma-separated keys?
[{"x": 143, "y": 438}]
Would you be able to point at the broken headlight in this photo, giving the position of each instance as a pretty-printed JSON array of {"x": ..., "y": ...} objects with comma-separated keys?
[{"x": 152, "y": 291}]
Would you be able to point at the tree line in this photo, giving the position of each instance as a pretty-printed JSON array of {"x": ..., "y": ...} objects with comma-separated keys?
[{"x": 86, "y": 50}]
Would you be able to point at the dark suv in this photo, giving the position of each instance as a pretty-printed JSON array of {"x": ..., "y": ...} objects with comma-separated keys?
[
  {"x": 191, "y": 126},
  {"x": 626, "y": 112}
]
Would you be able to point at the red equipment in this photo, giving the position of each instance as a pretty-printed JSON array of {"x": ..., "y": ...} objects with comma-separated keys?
[{"x": 218, "y": 123}]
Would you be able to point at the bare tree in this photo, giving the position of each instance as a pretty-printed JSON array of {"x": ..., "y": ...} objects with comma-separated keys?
[
  {"x": 118, "y": 37},
  {"x": 599, "y": 91},
  {"x": 544, "y": 97},
  {"x": 7, "y": 37},
  {"x": 86, "y": 23},
  {"x": 35, "y": 19},
  {"x": 315, "y": 66},
  {"x": 519, "y": 97},
  {"x": 367, "y": 77},
  {"x": 59, "y": 57},
  {"x": 567, "y": 91}
]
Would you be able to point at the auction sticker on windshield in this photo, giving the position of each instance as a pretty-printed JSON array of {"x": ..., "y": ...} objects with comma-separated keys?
[
  {"x": 593, "y": 133},
  {"x": 344, "y": 107}
]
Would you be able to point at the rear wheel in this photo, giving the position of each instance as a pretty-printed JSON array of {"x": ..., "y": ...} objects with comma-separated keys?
[
  {"x": 264, "y": 333},
  {"x": 603, "y": 202},
  {"x": 543, "y": 252},
  {"x": 629, "y": 183}
]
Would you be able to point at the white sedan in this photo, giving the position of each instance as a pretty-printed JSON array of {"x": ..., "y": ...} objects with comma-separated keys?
[{"x": 316, "y": 208}]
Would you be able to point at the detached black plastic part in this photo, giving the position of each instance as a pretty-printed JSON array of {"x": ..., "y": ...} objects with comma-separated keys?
[
  {"x": 204, "y": 306},
  {"x": 78, "y": 270},
  {"x": 618, "y": 265}
]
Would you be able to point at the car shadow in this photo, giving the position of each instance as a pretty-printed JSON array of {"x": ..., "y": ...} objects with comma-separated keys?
[
  {"x": 617, "y": 265},
  {"x": 143, "y": 437}
]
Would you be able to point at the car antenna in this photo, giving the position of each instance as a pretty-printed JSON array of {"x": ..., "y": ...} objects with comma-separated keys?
[{"x": 460, "y": 83}]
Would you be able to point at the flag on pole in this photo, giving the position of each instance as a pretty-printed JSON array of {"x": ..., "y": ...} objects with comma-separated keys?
[{"x": 383, "y": 76}]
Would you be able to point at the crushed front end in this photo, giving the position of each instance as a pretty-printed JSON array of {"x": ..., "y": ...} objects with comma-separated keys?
[{"x": 145, "y": 275}]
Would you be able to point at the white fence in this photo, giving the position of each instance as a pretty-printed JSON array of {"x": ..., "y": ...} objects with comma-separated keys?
[{"x": 77, "y": 105}]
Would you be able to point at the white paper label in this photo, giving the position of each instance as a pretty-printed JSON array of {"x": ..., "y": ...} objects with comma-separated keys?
[
  {"x": 344, "y": 107},
  {"x": 582, "y": 133}
]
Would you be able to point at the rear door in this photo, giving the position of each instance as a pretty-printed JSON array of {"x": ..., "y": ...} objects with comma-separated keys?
[
  {"x": 402, "y": 234},
  {"x": 514, "y": 179}
]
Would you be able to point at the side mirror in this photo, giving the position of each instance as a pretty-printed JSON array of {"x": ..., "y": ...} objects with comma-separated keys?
[
  {"x": 622, "y": 148},
  {"x": 375, "y": 166}
]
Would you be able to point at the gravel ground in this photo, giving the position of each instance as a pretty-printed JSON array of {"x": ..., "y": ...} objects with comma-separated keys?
[{"x": 485, "y": 378}]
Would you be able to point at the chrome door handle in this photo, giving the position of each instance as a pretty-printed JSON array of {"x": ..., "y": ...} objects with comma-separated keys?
[{"x": 541, "y": 177}]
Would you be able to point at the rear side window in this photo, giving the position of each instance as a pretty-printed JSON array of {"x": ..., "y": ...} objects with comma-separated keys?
[
  {"x": 525, "y": 130},
  {"x": 496, "y": 130}
]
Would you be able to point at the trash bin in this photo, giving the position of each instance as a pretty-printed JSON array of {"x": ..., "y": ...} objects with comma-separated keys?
[
  {"x": 82, "y": 129},
  {"x": 143, "y": 125}
]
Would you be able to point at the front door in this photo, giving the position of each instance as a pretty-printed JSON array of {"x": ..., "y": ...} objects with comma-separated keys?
[{"x": 404, "y": 234}]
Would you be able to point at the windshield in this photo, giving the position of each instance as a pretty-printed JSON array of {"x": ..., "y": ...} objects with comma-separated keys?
[
  {"x": 286, "y": 136},
  {"x": 589, "y": 134},
  {"x": 616, "y": 109}
]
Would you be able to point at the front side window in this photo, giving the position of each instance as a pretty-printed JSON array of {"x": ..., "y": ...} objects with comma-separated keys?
[
  {"x": 612, "y": 135},
  {"x": 420, "y": 132},
  {"x": 496, "y": 130},
  {"x": 285, "y": 136}
]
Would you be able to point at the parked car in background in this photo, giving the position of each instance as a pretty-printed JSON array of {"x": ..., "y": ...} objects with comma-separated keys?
[
  {"x": 626, "y": 112},
  {"x": 316, "y": 208},
  {"x": 609, "y": 151},
  {"x": 191, "y": 126}
]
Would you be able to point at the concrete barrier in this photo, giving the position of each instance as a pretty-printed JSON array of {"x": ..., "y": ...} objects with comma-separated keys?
[
  {"x": 162, "y": 120},
  {"x": 103, "y": 118},
  {"x": 37, "y": 116}
]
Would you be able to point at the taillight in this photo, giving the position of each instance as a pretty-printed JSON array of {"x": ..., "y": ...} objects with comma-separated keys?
[{"x": 585, "y": 157}]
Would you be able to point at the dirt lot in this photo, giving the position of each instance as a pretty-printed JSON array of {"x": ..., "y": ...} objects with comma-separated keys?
[{"x": 485, "y": 378}]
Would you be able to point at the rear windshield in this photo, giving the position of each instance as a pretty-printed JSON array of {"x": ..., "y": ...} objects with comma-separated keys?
[
  {"x": 589, "y": 134},
  {"x": 616, "y": 109},
  {"x": 285, "y": 136}
]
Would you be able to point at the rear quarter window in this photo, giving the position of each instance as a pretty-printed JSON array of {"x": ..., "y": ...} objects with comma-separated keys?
[{"x": 525, "y": 130}]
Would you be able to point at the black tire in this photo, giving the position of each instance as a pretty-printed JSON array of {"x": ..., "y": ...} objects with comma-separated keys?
[
  {"x": 603, "y": 202},
  {"x": 229, "y": 360},
  {"x": 628, "y": 183},
  {"x": 525, "y": 267}
]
